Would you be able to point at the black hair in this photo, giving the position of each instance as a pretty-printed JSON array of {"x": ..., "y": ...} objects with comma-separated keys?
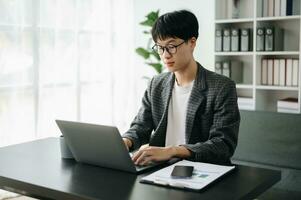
[{"x": 181, "y": 24}]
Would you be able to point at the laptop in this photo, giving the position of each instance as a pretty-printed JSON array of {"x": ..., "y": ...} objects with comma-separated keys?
[{"x": 99, "y": 145}]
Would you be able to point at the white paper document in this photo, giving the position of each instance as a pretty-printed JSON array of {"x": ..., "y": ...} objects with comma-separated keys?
[{"x": 203, "y": 174}]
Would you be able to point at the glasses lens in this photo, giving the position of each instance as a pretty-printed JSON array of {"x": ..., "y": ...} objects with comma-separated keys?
[
  {"x": 171, "y": 49},
  {"x": 158, "y": 49}
]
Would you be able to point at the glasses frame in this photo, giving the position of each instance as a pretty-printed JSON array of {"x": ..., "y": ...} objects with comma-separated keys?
[{"x": 155, "y": 48}]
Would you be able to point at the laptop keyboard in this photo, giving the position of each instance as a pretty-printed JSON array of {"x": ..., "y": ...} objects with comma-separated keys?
[{"x": 140, "y": 167}]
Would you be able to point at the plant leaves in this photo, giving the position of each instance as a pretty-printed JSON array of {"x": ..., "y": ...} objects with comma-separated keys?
[
  {"x": 143, "y": 52},
  {"x": 157, "y": 66},
  {"x": 156, "y": 55},
  {"x": 147, "y": 52},
  {"x": 153, "y": 15},
  {"x": 150, "y": 18},
  {"x": 148, "y": 22}
]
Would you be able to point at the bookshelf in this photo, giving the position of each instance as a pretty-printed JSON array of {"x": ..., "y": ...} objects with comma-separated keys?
[{"x": 252, "y": 14}]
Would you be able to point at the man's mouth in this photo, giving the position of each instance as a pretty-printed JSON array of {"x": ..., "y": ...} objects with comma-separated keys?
[{"x": 169, "y": 64}]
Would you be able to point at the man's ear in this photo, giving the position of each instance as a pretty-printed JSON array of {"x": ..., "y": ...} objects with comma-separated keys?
[{"x": 192, "y": 42}]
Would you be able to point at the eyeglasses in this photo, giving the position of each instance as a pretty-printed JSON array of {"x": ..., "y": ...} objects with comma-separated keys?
[{"x": 170, "y": 48}]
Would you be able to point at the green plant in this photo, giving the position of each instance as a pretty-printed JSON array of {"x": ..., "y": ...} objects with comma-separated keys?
[{"x": 152, "y": 58}]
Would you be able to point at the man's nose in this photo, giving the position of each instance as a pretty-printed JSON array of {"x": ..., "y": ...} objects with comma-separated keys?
[{"x": 166, "y": 54}]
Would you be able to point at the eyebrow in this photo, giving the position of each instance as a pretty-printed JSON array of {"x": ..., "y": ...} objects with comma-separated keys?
[{"x": 168, "y": 41}]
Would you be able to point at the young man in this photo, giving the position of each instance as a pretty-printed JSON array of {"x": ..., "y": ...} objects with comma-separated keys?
[{"x": 188, "y": 112}]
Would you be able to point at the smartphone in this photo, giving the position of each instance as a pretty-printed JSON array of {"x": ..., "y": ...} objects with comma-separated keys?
[{"x": 182, "y": 171}]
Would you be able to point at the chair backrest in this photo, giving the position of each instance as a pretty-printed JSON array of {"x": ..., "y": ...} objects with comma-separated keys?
[{"x": 270, "y": 138}]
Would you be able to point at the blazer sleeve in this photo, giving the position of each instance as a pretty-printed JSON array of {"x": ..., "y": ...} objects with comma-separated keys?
[
  {"x": 223, "y": 133},
  {"x": 142, "y": 125}
]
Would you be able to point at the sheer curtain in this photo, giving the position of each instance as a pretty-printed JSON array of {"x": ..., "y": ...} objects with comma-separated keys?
[{"x": 64, "y": 59}]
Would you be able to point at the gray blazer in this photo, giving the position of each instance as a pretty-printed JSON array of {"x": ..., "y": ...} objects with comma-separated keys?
[{"x": 212, "y": 120}]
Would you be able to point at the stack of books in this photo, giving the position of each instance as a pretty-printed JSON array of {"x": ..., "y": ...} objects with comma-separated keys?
[
  {"x": 288, "y": 105},
  {"x": 246, "y": 103},
  {"x": 280, "y": 72}
]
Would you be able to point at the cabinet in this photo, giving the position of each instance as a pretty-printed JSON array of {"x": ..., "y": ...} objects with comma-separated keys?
[{"x": 251, "y": 15}]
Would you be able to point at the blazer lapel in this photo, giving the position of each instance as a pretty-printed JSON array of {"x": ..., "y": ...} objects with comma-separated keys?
[
  {"x": 167, "y": 91},
  {"x": 159, "y": 137},
  {"x": 195, "y": 100}
]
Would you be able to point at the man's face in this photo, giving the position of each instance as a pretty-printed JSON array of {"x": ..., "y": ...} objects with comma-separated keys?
[{"x": 177, "y": 53}]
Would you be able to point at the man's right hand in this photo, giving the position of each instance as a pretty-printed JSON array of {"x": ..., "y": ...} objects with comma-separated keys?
[{"x": 128, "y": 143}]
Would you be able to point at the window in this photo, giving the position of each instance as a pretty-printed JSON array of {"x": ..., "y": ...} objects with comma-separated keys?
[{"x": 58, "y": 61}]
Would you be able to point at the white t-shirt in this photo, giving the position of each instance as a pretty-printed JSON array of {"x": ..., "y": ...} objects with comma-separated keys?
[{"x": 175, "y": 133}]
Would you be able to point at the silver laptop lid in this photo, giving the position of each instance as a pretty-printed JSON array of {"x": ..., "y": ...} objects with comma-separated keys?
[{"x": 96, "y": 144}]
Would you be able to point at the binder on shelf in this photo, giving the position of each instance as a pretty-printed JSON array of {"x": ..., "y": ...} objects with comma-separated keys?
[
  {"x": 226, "y": 69},
  {"x": 260, "y": 8},
  {"x": 283, "y": 7},
  {"x": 276, "y": 71},
  {"x": 269, "y": 39},
  {"x": 282, "y": 75},
  {"x": 295, "y": 72},
  {"x": 273, "y": 39},
  {"x": 218, "y": 68},
  {"x": 277, "y": 5},
  {"x": 226, "y": 40},
  {"x": 270, "y": 8},
  {"x": 279, "y": 39},
  {"x": 289, "y": 7},
  {"x": 229, "y": 9},
  {"x": 264, "y": 72},
  {"x": 245, "y": 39},
  {"x": 236, "y": 71},
  {"x": 235, "y": 39},
  {"x": 289, "y": 71},
  {"x": 265, "y": 8},
  {"x": 221, "y": 10},
  {"x": 270, "y": 71},
  {"x": 235, "y": 9},
  {"x": 296, "y": 7},
  {"x": 218, "y": 40},
  {"x": 260, "y": 39}
]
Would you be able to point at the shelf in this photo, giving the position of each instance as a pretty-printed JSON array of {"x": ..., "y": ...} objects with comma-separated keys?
[
  {"x": 278, "y": 18},
  {"x": 239, "y": 53},
  {"x": 264, "y": 97},
  {"x": 278, "y": 53},
  {"x": 232, "y": 21},
  {"x": 271, "y": 87},
  {"x": 244, "y": 86}
]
